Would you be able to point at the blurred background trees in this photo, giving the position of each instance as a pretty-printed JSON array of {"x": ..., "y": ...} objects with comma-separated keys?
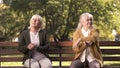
[{"x": 61, "y": 17}]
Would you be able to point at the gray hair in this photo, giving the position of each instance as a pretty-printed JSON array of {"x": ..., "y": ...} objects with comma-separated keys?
[
  {"x": 81, "y": 17},
  {"x": 40, "y": 19}
]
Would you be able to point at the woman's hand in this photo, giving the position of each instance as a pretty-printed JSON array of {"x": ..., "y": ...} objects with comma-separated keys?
[{"x": 30, "y": 46}]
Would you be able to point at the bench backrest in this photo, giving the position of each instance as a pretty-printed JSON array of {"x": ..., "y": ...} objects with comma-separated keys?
[{"x": 61, "y": 51}]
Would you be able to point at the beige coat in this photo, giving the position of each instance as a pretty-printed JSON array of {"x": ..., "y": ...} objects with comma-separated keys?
[{"x": 94, "y": 47}]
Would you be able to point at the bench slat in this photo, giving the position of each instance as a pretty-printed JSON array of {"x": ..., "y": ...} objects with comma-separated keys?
[
  {"x": 102, "y": 43},
  {"x": 6, "y": 44},
  {"x": 64, "y": 43},
  {"x": 58, "y": 51},
  {"x": 111, "y": 58},
  {"x": 9, "y": 51},
  {"x": 110, "y": 51},
  {"x": 13, "y": 59}
]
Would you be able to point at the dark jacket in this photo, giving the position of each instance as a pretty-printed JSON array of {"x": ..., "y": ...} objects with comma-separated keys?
[{"x": 24, "y": 41}]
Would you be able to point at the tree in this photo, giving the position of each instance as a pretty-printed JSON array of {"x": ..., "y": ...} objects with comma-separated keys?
[{"x": 60, "y": 16}]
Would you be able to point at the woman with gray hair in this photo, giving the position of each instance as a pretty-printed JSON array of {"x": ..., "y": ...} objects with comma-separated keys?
[
  {"x": 33, "y": 43},
  {"x": 86, "y": 44}
]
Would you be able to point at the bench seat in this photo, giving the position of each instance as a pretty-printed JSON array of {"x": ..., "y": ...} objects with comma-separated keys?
[{"x": 60, "y": 51}]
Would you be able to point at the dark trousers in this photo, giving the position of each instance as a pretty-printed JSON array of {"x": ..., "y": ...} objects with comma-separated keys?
[{"x": 78, "y": 64}]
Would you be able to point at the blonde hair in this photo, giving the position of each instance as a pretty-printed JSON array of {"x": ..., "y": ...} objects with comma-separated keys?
[
  {"x": 81, "y": 17},
  {"x": 40, "y": 19}
]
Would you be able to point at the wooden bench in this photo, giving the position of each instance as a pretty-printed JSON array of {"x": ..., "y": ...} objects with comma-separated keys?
[{"x": 60, "y": 54}]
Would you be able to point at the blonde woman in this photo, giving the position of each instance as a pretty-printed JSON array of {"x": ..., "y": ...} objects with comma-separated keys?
[
  {"x": 33, "y": 43},
  {"x": 86, "y": 45}
]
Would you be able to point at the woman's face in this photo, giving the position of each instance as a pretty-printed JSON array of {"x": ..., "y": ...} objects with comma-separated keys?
[
  {"x": 87, "y": 21},
  {"x": 35, "y": 22}
]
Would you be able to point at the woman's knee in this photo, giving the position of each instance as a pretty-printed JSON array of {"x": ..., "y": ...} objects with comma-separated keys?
[
  {"x": 76, "y": 64},
  {"x": 45, "y": 63},
  {"x": 31, "y": 63},
  {"x": 94, "y": 64}
]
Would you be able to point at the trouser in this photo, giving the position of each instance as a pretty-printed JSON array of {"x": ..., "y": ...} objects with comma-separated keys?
[
  {"x": 43, "y": 63},
  {"x": 78, "y": 64}
]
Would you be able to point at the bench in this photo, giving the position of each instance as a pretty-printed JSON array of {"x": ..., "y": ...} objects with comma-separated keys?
[{"x": 60, "y": 53}]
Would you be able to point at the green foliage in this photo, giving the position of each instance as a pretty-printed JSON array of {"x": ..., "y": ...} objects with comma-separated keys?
[{"x": 60, "y": 16}]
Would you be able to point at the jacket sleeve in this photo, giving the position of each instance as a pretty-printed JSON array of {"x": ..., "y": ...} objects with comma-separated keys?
[
  {"x": 80, "y": 46},
  {"x": 22, "y": 45}
]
